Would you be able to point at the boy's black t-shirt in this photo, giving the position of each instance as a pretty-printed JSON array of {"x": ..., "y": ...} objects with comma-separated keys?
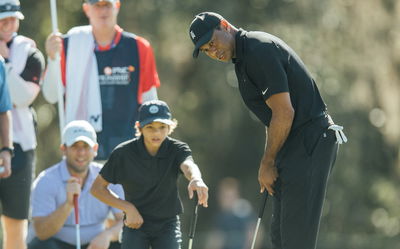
[{"x": 149, "y": 182}]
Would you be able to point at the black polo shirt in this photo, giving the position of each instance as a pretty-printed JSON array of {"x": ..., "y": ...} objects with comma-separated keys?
[
  {"x": 265, "y": 65},
  {"x": 149, "y": 182}
]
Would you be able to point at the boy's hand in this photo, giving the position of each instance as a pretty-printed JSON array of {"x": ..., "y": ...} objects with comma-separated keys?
[
  {"x": 202, "y": 191},
  {"x": 133, "y": 219}
]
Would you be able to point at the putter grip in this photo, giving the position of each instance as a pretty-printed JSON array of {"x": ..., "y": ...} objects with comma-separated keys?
[
  {"x": 76, "y": 209},
  {"x": 193, "y": 222},
  {"x": 263, "y": 203}
]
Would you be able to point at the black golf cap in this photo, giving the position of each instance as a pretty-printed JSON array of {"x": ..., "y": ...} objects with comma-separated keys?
[
  {"x": 202, "y": 28},
  {"x": 154, "y": 111},
  {"x": 95, "y": 1}
]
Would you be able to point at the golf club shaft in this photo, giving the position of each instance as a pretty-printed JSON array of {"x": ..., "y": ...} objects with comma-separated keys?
[
  {"x": 190, "y": 243},
  {"x": 193, "y": 221},
  {"x": 253, "y": 243},
  {"x": 78, "y": 233},
  {"x": 260, "y": 215},
  {"x": 263, "y": 203},
  {"x": 78, "y": 237}
]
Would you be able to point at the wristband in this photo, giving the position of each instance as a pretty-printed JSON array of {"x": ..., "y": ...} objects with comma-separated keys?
[{"x": 9, "y": 149}]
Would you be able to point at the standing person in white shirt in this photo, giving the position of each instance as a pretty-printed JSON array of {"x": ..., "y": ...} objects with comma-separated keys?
[{"x": 24, "y": 67}]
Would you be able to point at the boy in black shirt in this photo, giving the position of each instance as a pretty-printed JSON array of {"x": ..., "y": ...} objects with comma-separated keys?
[{"x": 148, "y": 168}]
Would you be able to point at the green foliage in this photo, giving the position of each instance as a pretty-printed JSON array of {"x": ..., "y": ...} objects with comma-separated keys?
[{"x": 351, "y": 47}]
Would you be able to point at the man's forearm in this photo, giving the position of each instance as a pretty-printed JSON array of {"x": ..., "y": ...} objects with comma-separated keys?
[
  {"x": 50, "y": 81},
  {"x": 5, "y": 135},
  {"x": 46, "y": 227},
  {"x": 277, "y": 133}
]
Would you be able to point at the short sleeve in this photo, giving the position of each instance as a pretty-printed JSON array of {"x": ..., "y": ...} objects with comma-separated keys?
[
  {"x": 43, "y": 199},
  {"x": 183, "y": 153},
  {"x": 266, "y": 69},
  {"x": 34, "y": 67},
  {"x": 109, "y": 170},
  {"x": 5, "y": 100}
]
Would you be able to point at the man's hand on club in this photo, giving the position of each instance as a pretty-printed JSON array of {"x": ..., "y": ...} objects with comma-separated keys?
[
  {"x": 201, "y": 188},
  {"x": 267, "y": 175},
  {"x": 53, "y": 45},
  {"x": 73, "y": 188}
]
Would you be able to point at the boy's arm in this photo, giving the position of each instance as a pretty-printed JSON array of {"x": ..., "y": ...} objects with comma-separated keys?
[
  {"x": 100, "y": 191},
  {"x": 196, "y": 183}
]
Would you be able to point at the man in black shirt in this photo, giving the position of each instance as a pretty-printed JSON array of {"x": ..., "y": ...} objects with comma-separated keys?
[{"x": 302, "y": 140}]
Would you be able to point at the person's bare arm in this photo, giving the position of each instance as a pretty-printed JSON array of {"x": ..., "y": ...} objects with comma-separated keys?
[
  {"x": 277, "y": 133},
  {"x": 100, "y": 191},
  {"x": 47, "y": 226},
  {"x": 6, "y": 141},
  {"x": 51, "y": 77},
  {"x": 196, "y": 183}
]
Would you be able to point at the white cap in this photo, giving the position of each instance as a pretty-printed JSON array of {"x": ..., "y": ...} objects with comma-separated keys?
[
  {"x": 79, "y": 130},
  {"x": 10, "y": 8}
]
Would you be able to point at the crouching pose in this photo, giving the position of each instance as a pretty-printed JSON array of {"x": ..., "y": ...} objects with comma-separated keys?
[{"x": 148, "y": 167}]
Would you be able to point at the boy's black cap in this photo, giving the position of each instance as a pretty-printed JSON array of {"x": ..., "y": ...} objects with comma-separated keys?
[
  {"x": 154, "y": 111},
  {"x": 201, "y": 29}
]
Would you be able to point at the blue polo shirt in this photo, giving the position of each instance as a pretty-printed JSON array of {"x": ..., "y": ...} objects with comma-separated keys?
[
  {"x": 49, "y": 192},
  {"x": 5, "y": 100}
]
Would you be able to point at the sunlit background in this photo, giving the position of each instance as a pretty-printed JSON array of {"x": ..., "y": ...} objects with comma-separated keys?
[{"x": 352, "y": 49}]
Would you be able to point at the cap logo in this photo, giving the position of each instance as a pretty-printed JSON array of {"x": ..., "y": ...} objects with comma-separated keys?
[
  {"x": 153, "y": 109},
  {"x": 192, "y": 34},
  {"x": 79, "y": 130}
]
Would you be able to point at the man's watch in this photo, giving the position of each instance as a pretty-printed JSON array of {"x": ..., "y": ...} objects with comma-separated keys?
[{"x": 9, "y": 149}]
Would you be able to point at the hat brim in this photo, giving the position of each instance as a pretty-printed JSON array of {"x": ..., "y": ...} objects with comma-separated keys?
[
  {"x": 85, "y": 139},
  {"x": 16, "y": 14},
  {"x": 161, "y": 120},
  {"x": 203, "y": 40}
]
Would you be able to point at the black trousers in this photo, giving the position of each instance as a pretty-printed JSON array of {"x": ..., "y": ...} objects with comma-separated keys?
[
  {"x": 163, "y": 234},
  {"x": 15, "y": 191},
  {"x": 304, "y": 165}
]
